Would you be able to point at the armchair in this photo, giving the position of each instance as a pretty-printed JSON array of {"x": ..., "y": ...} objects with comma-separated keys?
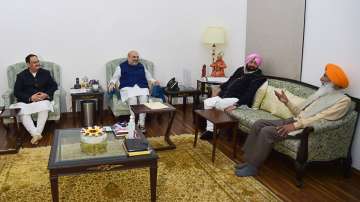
[
  {"x": 9, "y": 97},
  {"x": 117, "y": 107}
]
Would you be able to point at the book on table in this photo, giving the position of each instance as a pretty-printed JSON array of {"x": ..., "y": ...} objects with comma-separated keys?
[
  {"x": 136, "y": 147},
  {"x": 120, "y": 129}
]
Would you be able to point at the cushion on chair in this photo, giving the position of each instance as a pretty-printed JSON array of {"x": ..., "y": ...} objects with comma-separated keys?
[{"x": 247, "y": 116}]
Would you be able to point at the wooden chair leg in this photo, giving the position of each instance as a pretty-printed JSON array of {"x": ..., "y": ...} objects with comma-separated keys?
[{"x": 347, "y": 166}]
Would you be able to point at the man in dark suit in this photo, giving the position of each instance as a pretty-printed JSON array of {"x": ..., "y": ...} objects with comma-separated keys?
[
  {"x": 239, "y": 90},
  {"x": 34, "y": 89}
]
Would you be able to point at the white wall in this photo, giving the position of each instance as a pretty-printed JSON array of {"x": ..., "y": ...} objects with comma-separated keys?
[
  {"x": 332, "y": 35},
  {"x": 82, "y": 36}
]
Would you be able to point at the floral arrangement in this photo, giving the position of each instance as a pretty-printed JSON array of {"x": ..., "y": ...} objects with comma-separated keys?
[{"x": 93, "y": 82}]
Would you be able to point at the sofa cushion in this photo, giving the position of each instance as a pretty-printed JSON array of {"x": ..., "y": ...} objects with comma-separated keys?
[
  {"x": 247, "y": 116},
  {"x": 259, "y": 96},
  {"x": 274, "y": 106}
]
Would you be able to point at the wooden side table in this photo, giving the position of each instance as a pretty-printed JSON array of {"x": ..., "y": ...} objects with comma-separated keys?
[
  {"x": 90, "y": 95},
  {"x": 184, "y": 92},
  {"x": 138, "y": 109},
  {"x": 11, "y": 148},
  {"x": 203, "y": 86},
  {"x": 221, "y": 120}
]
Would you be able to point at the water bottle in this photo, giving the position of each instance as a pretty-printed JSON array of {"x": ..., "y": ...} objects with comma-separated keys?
[{"x": 131, "y": 127}]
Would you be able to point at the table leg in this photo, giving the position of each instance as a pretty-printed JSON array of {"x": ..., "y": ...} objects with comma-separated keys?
[
  {"x": 216, "y": 135},
  {"x": 54, "y": 187},
  {"x": 153, "y": 180},
  {"x": 73, "y": 106},
  {"x": 171, "y": 145},
  {"x": 184, "y": 103},
  {"x": 18, "y": 134},
  {"x": 170, "y": 99},
  {"x": 234, "y": 130},
  {"x": 195, "y": 105},
  {"x": 196, "y": 118},
  {"x": 101, "y": 110}
]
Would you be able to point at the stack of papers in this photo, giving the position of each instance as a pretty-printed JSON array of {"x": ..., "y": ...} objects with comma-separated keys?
[
  {"x": 217, "y": 79},
  {"x": 155, "y": 105},
  {"x": 80, "y": 90}
]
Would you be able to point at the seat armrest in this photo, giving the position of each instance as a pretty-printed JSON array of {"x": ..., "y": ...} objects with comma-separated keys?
[
  {"x": 325, "y": 125},
  {"x": 8, "y": 97},
  {"x": 56, "y": 96}
]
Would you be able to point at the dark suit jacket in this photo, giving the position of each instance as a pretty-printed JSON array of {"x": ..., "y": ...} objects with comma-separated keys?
[
  {"x": 242, "y": 86},
  {"x": 26, "y": 85}
]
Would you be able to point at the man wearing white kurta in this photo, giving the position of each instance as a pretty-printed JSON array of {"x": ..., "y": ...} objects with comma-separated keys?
[
  {"x": 133, "y": 78},
  {"x": 34, "y": 89}
]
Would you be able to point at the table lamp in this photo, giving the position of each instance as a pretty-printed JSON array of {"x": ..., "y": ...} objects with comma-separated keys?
[{"x": 214, "y": 35}]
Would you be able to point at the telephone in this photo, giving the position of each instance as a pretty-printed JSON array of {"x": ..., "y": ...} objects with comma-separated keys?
[
  {"x": 172, "y": 85},
  {"x": 77, "y": 84}
]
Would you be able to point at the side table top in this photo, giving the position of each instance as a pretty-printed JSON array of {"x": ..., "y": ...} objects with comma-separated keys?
[
  {"x": 137, "y": 109},
  {"x": 183, "y": 89},
  {"x": 89, "y": 92},
  {"x": 6, "y": 113},
  {"x": 216, "y": 116}
]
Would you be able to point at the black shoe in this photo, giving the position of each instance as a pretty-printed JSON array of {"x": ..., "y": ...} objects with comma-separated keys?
[{"x": 207, "y": 135}]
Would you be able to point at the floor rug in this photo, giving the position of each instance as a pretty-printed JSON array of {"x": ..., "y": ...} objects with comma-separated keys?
[{"x": 184, "y": 174}]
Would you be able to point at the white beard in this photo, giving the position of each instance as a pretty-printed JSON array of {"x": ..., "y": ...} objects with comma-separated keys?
[{"x": 324, "y": 89}]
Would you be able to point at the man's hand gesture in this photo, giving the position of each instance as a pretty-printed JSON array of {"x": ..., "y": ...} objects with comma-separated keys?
[
  {"x": 282, "y": 97},
  {"x": 39, "y": 96},
  {"x": 36, "y": 97},
  {"x": 43, "y": 96},
  {"x": 284, "y": 130}
]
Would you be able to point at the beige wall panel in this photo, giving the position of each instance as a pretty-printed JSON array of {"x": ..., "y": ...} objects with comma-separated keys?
[{"x": 275, "y": 30}]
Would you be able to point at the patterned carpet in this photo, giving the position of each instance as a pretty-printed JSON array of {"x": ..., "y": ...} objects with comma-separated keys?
[{"x": 184, "y": 174}]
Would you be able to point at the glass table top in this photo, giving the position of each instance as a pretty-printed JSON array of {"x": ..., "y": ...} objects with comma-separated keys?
[{"x": 69, "y": 147}]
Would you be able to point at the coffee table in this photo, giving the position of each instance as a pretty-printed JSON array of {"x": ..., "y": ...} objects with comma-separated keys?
[
  {"x": 138, "y": 109},
  {"x": 66, "y": 158},
  {"x": 221, "y": 120}
]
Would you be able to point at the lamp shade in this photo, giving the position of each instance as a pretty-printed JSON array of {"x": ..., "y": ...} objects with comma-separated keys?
[{"x": 214, "y": 35}]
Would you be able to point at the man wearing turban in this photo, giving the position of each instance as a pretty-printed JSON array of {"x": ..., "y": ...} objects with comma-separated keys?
[
  {"x": 329, "y": 102},
  {"x": 239, "y": 90}
]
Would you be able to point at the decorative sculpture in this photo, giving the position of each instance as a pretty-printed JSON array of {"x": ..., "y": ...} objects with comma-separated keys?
[{"x": 218, "y": 66}]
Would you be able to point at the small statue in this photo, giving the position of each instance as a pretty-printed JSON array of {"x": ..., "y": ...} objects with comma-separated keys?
[
  {"x": 203, "y": 71},
  {"x": 218, "y": 66}
]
